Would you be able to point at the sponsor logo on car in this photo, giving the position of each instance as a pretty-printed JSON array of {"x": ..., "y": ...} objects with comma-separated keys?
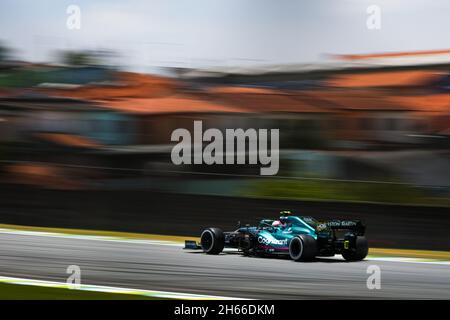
[
  {"x": 267, "y": 241},
  {"x": 343, "y": 223}
]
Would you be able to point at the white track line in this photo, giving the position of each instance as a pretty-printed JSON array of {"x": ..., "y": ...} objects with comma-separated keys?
[
  {"x": 90, "y": 237},
  {"x": 181, "y": 245},
  {"x": 118, "y": 290},
  {"x": 408, "y": 260}
]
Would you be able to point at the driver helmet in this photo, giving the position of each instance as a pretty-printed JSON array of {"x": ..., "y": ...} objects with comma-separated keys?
[{"x": 276, "y": 223}]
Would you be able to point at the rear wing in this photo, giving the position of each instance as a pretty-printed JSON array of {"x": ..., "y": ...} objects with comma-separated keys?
[{"x": 354, "y": 225}]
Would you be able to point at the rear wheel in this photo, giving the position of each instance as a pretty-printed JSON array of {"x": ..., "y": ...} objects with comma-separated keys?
[
  {"x": 212, "y": 240},
  {"x": 302, "y": 248},
  {"x": 359, "y": 252}
]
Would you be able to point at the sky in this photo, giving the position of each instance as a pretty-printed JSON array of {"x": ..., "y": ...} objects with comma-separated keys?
[{"x": 205, "y": 33}]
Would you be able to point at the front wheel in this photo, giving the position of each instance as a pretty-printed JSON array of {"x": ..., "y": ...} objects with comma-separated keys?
[
  {"x": 302, "y": 248},
  {"x": 359, "y": 252},
  {"x": 212, "y": 240}
]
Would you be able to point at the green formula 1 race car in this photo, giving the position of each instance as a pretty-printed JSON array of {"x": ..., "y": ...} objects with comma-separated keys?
[{"x": 302, "y": 238}]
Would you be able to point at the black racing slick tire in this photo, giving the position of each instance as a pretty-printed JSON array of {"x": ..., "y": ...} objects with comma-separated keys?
[
  {"x": 212, "y": 240},
  {"x": 359, "y": 252},
  {"x": 302, "y": 248}
]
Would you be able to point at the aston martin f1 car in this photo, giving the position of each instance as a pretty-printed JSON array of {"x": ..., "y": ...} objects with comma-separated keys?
[{"x": 301, "y": 238}]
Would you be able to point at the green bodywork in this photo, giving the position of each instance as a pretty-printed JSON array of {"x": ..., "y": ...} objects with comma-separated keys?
[{"x": 277, "y": 238}]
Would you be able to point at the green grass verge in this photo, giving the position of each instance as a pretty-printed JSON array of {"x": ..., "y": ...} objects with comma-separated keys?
[
  {"x": 102, "y": 233},
  {"x": 26, "y": 292},
  {"x": 341, "y": 191}
]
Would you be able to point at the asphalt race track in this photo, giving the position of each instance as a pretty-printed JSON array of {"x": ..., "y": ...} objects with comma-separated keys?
[{"x": 170, "y": 268}]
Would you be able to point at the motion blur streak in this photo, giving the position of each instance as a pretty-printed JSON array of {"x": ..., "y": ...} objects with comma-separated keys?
[
  {"x": 168, "y": 268},
  {"x": 84, "y": 287},
  {"x": 375, "y": 254},
  {"x": 90, "y": 94}
]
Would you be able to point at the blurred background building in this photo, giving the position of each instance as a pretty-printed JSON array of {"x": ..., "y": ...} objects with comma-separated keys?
[{"x": 377, "y": 120}]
